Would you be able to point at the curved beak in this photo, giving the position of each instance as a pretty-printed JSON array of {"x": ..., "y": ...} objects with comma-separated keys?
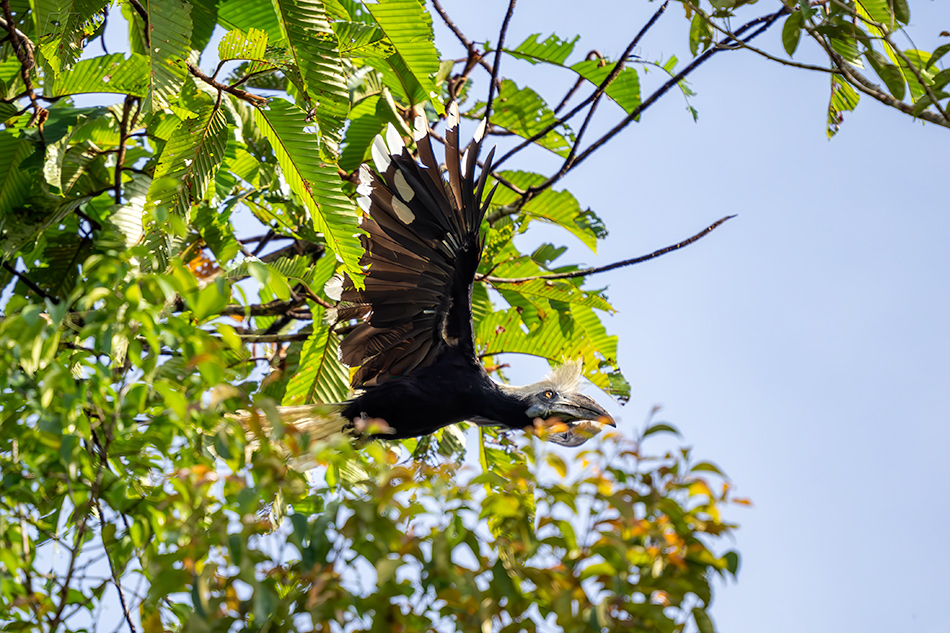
[{"x": 571, "y": 420}]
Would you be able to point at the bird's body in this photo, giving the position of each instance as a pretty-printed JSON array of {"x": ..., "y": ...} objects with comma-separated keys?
[{"x": 413, "y": 339}]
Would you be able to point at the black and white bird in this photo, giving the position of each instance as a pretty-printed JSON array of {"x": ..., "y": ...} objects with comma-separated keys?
[{"x": 413, "y": 340}]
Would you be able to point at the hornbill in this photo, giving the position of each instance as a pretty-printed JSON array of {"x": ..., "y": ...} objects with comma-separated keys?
[{"x": 413, "y": 341}]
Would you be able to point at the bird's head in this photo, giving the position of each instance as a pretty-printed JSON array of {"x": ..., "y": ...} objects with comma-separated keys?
[{"x": 559, "y": 412}]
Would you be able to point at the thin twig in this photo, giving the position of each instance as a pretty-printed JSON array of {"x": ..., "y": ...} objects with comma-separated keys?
[
  {"x": 23, "y": 48},
  {"x": 275, "y": 338},
  {"x": 496, "y": 63},
  {"x": 29, "y": 283},
  {"x": 609, "y": 78},
  {"x": 469, "y": 46},
  {"x": 600, "y": 269},
  {"x": 762, "y": 22}
]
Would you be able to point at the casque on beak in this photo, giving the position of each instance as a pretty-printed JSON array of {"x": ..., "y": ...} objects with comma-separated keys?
[{"x": 571, "y": 420}]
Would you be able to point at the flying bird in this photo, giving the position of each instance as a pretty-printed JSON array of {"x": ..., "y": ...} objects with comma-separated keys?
[{"x": 413, "y": 341}]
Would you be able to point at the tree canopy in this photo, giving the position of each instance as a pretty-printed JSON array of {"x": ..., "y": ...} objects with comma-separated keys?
[{"x": 169, "y": 216}]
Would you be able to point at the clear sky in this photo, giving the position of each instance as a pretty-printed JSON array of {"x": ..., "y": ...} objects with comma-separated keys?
[{"x": 804, "y": 345}]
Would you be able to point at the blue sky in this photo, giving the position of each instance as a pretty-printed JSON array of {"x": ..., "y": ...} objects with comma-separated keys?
[{"x": 803, "y": 346}]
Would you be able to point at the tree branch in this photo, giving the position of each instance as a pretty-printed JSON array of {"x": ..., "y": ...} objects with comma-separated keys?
[
  {"x": 763, "y": 23},
  {"x": 29, "y": 283},
  {"x": 600, "y": 269},
  {"x": 570, "y": 115},
  {"x": 496, "y": 63},
  {"x": 253, "y": 99},
  {"x": 871, "y": 89}
]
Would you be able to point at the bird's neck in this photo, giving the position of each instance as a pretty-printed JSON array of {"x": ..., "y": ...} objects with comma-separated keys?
[{"x": 500, "y": 406}]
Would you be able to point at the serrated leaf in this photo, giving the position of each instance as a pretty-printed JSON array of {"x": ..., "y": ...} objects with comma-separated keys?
[
  {"x": 114, "y": 73},
  {"x": 523, "y": 112},
  {"x": 557, "y": 207},
  {"x": 552, "y": 50},
  {"x": 61, "y": 28},
  {"x": 624, "y": 89},
  {"x": 315, "y": 182},
  {"x": 240, "y": 45},
  {"x": 843, "y": 99},
  {"x": 408, "y": 26},
  {"x": 189, "y": 161},
  {"x": 313, "y": 47},
  {"x": 362, "y": 40},
  {"x": 320, "y": 377},
  {"x": 240, "y": 14},
  {"x": 15, "y": 183},
  {"x": 169, "y": 44}
]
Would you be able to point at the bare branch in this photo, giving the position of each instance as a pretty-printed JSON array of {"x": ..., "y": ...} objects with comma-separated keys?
[
  {"x": 762, "y": 22},
  {"x": 595, "y": 95},
  {"x": 496, "y": 65},
  {"x": 23, "y": 47},
  {"x": 253, "y": 99},
  {"x": 29, "y": 283},
  {"x": 600, "y": 269},
  {"x": 469, "y": 46},
  {"x": 275, "y": 338}
]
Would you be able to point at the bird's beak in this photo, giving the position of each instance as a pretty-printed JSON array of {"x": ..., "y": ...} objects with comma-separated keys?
[
  {"x": 579, "y": 407},
  {"x": 572, "y": 420}
]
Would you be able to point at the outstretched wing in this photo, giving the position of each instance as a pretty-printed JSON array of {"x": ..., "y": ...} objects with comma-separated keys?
[{"x": 422, "y": 250}]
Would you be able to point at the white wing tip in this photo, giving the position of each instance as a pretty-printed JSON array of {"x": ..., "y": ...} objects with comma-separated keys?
[
  {"x": 380, "y": 154},
  {"x": 420, "y": 128},
  {"x": 480, "y": 132},
  {"x": 452, "y": 118}
]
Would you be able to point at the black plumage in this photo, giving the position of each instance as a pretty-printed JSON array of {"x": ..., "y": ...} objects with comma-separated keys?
[{"x": 413, "y": 342}]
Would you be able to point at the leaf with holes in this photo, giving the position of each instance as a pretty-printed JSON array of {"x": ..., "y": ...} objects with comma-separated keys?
[{"x": 315, "y": 182}]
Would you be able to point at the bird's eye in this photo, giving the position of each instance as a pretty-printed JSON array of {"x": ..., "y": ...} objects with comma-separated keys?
[{"x": 549, "y": 394}]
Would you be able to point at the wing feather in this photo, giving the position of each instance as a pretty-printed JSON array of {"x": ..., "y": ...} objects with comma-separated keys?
[{"x": 422, "y": 251}]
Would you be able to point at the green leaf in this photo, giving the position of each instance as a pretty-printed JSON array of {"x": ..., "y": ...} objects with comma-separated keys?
[
  {"x": 15, "y": 183},
  {"x": 552, "y": 50},
  {"x": 660, "y": 427},
  {"x": 792, "y": 32},
  {"x": 114, "y": 73},
  {"x": 939, "y": 52},
  {"x": 189, "y": 161},
  {"x": 700, "y": 34},
  {"x": 244, "y": 15},
  {"x": 557, "y": 207},
  {"x": 408, "y": 26},
  {"x": 169, "y": 45},
  {"x": 313, "y": 47},
  {"x": 890, "y": 74},
  {"x": 703, "y": 622},
  {"x": 523, "y": 112},
  {"x": 624, "y": 89},
  {"x": 320, "y": 377},
  {"x": 843, "y": 99},
  {"x": 240, "y": 45},
  {"x": 62, "y": 26},
  {"x": 315, "y": 182}
]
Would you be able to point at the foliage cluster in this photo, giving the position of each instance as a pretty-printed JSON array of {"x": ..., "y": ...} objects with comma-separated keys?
[{"x": 163, "y": 252}]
